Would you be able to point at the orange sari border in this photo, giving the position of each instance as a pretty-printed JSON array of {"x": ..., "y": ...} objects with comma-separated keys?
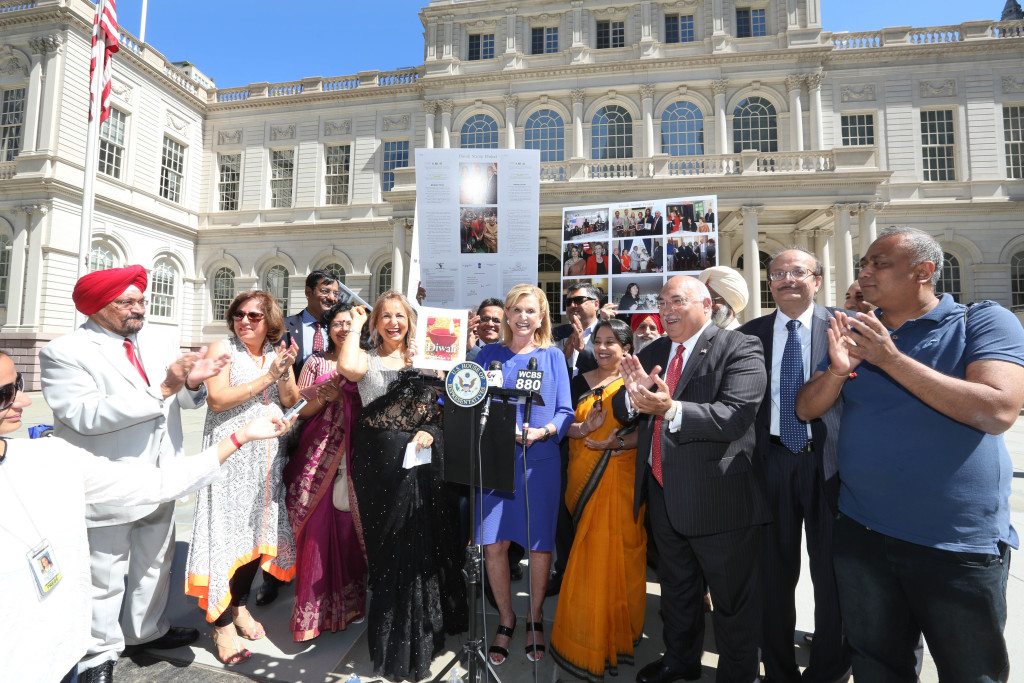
[{"x": 197, "y": 585}]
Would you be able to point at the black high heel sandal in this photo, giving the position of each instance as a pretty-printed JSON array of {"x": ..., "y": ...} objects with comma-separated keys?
[
  {"x": 508, "y": 632},
  {"x": 533, "y": 649}
]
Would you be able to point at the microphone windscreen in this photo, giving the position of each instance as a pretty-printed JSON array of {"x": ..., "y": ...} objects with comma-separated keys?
[{"x": 532, "y": 365}]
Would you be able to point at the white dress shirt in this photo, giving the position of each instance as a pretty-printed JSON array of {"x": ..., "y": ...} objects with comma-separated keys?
[
  {"x": 309, "y": 325},
  {"x": 586, "y": 342},
  {"x": 779, "y": 336}
]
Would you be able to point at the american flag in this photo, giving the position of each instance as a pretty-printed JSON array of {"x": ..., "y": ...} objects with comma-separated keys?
[{"x": 104, "y": 44}]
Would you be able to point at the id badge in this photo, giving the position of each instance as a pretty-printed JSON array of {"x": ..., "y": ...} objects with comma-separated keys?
[{"x": 44, "y": 567}]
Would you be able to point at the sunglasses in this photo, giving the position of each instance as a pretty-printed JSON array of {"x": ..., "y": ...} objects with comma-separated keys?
[
  {"x": 253, "y": 316},
  {"x": 579, "y": 300},
  {"x": 9, "y": 392},
  {"x": 486, "y": 320}
]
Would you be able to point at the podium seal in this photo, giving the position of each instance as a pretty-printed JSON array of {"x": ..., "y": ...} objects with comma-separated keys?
[{"x": 466, "y": 384}]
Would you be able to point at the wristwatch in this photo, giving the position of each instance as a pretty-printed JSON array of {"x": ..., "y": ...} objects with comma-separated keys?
[
  {"x": 622, "y": 444},
  {"x": 550, "y": 431}
]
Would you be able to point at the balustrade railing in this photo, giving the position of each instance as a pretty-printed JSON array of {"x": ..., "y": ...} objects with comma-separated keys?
[
  {"x": 128, "y": 42},
  {"x": 233, "y": 95},
  {"x": 934, "y": 35},
  {"x": 15, "y": 6},
  {"x": 284, "y": 89},
  {"x": 340, "y": 83},
  {"x": 857, "y": 41},
  {"x": 1008, "y": 29}
]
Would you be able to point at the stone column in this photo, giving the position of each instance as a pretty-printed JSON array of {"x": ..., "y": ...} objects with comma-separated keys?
[
  {"x": 724, "y": 246},
  {"x": 429, "y": 110},
  {"x": 751, "y": 263},
  {"x": 647, "y": 100},
  {"x": 721, "y": 124},
  {"x": 718, "y": 17},
  {"x": 577, "y": 23},
  {"x": 868, "y": 225},
  {"x": 34, "y": 94},
  {"x": 431, "y": 39},
  {"x": 844, "y": 249},
  {"x": 510, "y": 29},
  {"x": 49, "y": 107},
  {"x": 794, "y": 85},
  {"x": 447, "y": 50},
  {"x": 447, "y": 107},
  {"x": 814, "y": 82},
  {"x": 823, "y": 250},
  {"x": 398, "y": 253},
  {"x": 511, "y": 102},
  {"x": 792, "y": 16},
  {"x": 16, "y": 281},
  {"x": 578, "y": 151},
  {"x": 646, "y": 22}
]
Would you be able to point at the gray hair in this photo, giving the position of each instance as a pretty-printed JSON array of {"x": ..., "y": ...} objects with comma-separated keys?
[
  {"x": 818, "y": 270},
  {"x": 923, "y": 247},
  {"x": 591, "y": 290}
]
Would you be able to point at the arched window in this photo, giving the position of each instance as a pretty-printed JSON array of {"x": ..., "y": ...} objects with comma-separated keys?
[
  {"x": 384, "y": 278},
  {"x": 276, "y": 283},
  {"x": 754, "y": 126},
  {"x": 222, "y": 292},
  {"x": 767, "y": 302},
  {"x": 5, "y": 267},
  {"x": 949, "y": 281},
  {"x": 549, "y": 272},
  {"x": 101, "y": 258},
  {"x": 682, "y": 130},
  {"x": 480, "y": 131},
  {"x": 611, "y": 135},
  {"x": 162, "y": 287},
  {"x": 336, "y": 270},
  {"x": 1017, "y": 280},
  {"x": 545, "y": 131}
]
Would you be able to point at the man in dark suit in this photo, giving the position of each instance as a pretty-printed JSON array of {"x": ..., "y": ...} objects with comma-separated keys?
[
  {"x": 709, "y": 218},
  {"x": 695, "y": 467},
  {"x": 800, "y": 466},
  {"x": 582, "y": 304}
]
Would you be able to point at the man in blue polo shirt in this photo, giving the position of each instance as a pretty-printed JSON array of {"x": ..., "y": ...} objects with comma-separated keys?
[{"x": 923, "y": 536}]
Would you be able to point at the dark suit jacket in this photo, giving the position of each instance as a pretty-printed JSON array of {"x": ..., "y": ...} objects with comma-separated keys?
[
  {"x": 825, "y": 429},
  {"x": 708, "y": 465},
  {"x": 293, "y": 330},
  {"x": 585, "y": 360}
]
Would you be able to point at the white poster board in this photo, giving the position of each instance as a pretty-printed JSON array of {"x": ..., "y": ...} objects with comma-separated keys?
[
  {"x": 476, "y": 227},
  {"x": 629, "y": 249}
]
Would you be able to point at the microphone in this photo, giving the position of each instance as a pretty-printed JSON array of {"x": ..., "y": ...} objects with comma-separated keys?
[
  {"x": 528, "y": 379},
  {"x": 494, "y": 379}
]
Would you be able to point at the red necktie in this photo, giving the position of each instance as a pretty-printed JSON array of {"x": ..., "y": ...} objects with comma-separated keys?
[
  {"x": 129, "y": 350},
  {"x": 318, "y": 340},
  {"x": 675, "y": 371}
]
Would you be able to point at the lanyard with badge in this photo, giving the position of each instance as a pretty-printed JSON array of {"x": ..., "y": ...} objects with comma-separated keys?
[{"x": 40, "y": 557}]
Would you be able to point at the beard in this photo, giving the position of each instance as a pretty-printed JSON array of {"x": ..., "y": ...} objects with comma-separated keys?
[
  {"x": 131, "y": 325},
  {"x": 721, "y": 316},
  {"x": 639, "y": 343}
]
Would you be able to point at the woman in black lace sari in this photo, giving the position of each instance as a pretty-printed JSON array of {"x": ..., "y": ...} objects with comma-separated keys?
[{"x": 408, "y": 516}]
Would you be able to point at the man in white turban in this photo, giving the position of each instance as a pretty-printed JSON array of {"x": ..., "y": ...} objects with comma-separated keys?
[{"x": 728, "y": 294}]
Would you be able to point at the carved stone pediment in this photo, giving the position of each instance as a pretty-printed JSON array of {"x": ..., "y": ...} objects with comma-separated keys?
[
  {"x": 176, "y": 123},
  {"x": 1013, "y": 84},
  {"x": 12, "y": 65},
  {"x": 943, "y": 88},
  {"x": 229, "y": 137},
  {"x": 121, "y": 89},
  {"x": 337, "y": 127},
  {"x": 396, "y": 122},
  {"x": 282, "y": 132},
  {"x": 858, "y": 93}
]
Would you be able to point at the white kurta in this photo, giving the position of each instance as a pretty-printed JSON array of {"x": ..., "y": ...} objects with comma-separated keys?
[{"x": 42, "y": 638}]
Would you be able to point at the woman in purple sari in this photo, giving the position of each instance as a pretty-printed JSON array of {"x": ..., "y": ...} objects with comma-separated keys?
[{"x": 330, "y": 580}]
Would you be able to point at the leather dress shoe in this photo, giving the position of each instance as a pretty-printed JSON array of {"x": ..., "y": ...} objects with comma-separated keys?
[
  {"x": 268, "y": 591},
  {"x": 554, "y": 584},
  {"x": 104, "y": 673},
  {"x": 660, "y": 672},
  {"x": 176, "y": 636}
]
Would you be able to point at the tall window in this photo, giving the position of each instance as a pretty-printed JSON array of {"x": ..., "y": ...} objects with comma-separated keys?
[
  {"x": 481, "y": 46},
  {"x": 858, "y": 129},
  {"x": 161, "y": 289},
  {"x": 1013, "y": 131},
  {"x": 276, "y": 283},
  {"x": 611, "y": 133},
  {"x": 112, "y": 144},
  {"x": 611, "y": 34},
  {"x": 172, "y": 170},
  {"x": 679, "y": 28},
  {"x": 222, "y": 293},
  {"x": 12, "y": 117},
  {"x": 949, "y": 281},
  {"x": 543, "y": 40},
  {"x": 479, "y": 131},
  {"x": 545, "y": 131},
  {"x": 336, "y": 175},
  {"x": 396, "y": 155},
  {"x": 549, "y": 273},
  {"x": 938, "y": 144},
  {"x": 1017, "y": 280},
  {"x": 336, "y": 270},
  {"x": 750, "y": 23},
  {"x": 282, "y": 175},
  {"x": 754, "y": 126},
  {"x": 229, "y": 180},
  {"x": 384, "y": 278},
  {"x": 767, "y": 302},
  {"x": 682, "y": 130},
  {"x": 101, "y": 258},
  {"x": 5, "y": 267}
]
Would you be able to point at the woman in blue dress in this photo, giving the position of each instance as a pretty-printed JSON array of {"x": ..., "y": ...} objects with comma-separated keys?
[{"x": 526, "y": 334}]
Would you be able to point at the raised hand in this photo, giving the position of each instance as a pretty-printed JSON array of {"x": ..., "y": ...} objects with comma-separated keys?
[
  {"x": 203, "y": 367},
  {"x": 839, "y": 358},
  {"x": 265, "y": 428},
  {"x": 654, "y": 401},
  {"x": 594, "y": 419},
  {"x": 608, "y": 311},
  {"x": 576, "y": 339},
  {"x": 610, "y": 441},
  {"x": 873, "y": 341},
  {"x": 359, "y": 318},
  {"x": 285, "y": 358},
  {"x": 633, "y": 373}
]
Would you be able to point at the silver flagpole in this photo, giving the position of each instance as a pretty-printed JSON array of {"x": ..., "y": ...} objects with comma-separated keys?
[{"x": 142, "y": 27}]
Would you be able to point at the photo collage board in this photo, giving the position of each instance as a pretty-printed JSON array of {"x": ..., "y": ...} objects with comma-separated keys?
[{"x": 629, "y": 249}]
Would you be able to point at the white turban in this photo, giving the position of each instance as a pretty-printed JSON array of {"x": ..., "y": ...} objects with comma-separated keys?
[{"x": 728, "y": 284}]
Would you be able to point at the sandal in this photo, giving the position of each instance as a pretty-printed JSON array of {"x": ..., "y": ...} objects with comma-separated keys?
[
  {"x": 534, "y": 649},
  {"x": 508, "y": 632},
  {"x": 223, "y": 640},
  {"x": 248, "y": 628}
]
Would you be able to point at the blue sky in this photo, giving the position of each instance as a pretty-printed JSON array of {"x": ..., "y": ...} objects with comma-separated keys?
[{"x": 237, "y": 42}]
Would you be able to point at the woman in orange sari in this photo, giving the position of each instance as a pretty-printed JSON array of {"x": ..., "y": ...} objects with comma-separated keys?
[{"x": 600, "y": 614}]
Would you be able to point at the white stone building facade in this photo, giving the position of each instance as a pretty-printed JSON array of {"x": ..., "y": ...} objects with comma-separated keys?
[{"x": 807, "y": 137}]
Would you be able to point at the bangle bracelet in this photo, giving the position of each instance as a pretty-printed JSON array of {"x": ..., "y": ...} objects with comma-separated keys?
[
  {"x": 249, "y": 387},
  {"x": 235, "y": 441},
  {"x": 835, "y": 374}
]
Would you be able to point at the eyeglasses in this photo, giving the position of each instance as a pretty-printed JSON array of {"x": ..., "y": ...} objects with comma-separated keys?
[
  {"x": 579, "y": 300},
  {"x": 346, "y": 325},
  {"x": 9, "y": 392},
  {"x": 130, "y": 303},
  {"x": 253, "y": 316},
  {"x": 796, "y": 273},
  {"x": 674, "y": 302},
  {"x": 488, "y": 320},
  {"x": 332, "y": 293}
]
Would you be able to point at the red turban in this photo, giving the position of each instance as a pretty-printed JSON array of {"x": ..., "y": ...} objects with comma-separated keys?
[
  {"x": 95, "y": 290},
  {"x": 637, "y": 318}
]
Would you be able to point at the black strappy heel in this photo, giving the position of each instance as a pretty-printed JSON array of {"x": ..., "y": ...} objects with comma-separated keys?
[
  {"x": 508, "y": 632},
  {"x": 533, "y": 649}
]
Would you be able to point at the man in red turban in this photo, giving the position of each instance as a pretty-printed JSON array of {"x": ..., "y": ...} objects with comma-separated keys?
[
  {"x": 116, "y": 390},
  {"x": 646, "y": 328}
]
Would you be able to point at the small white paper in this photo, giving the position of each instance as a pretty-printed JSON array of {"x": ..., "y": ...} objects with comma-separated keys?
[{"x": 414, "y": 457}]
